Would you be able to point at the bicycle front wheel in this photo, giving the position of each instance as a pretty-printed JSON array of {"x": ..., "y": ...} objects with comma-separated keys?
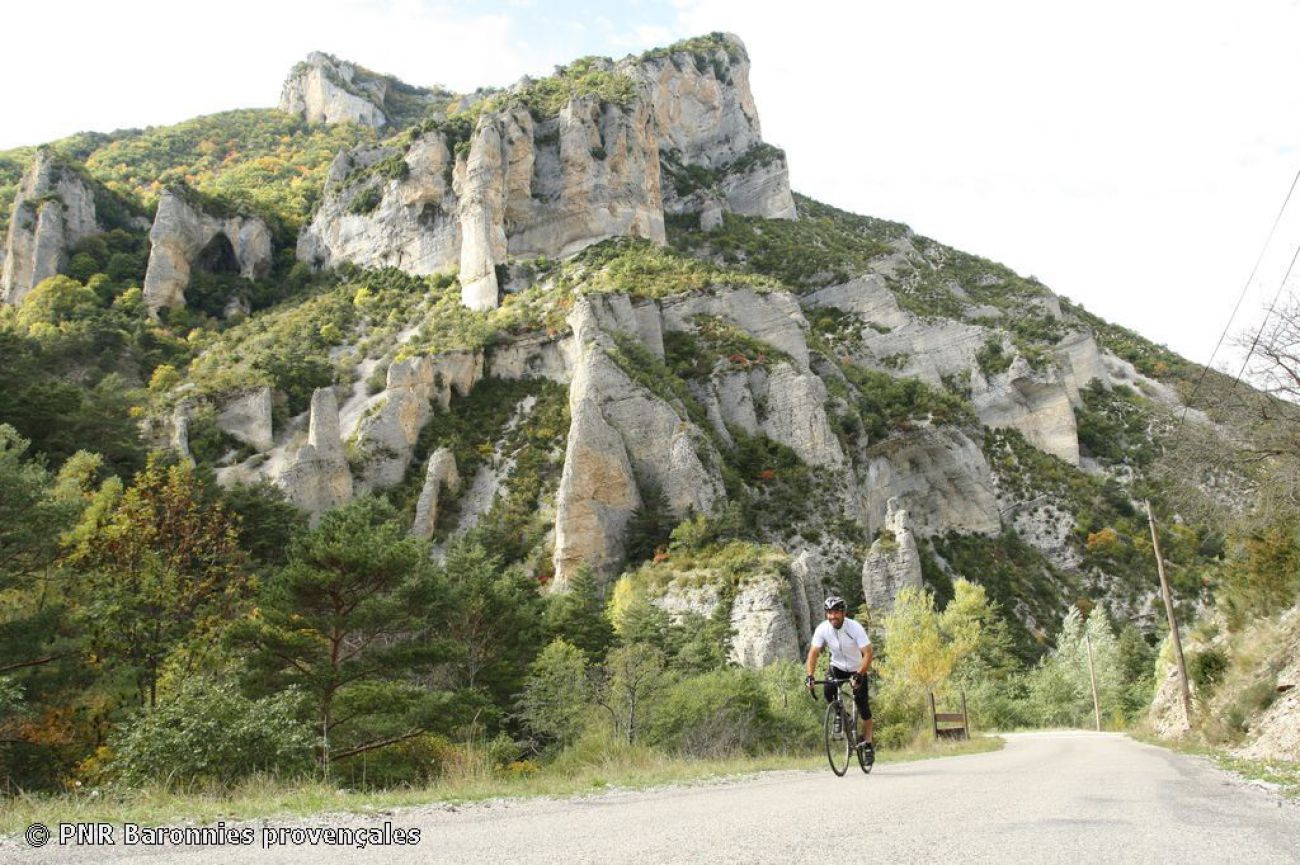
[{"x": 839, "y": 738}]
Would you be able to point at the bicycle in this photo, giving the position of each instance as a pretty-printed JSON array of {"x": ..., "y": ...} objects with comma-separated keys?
[{"x": 841, "y": 729}]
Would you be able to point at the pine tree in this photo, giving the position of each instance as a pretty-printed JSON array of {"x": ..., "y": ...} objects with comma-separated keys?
[
  {"x": 578, "y": 615},
  {"x": 353, "y": 619}
]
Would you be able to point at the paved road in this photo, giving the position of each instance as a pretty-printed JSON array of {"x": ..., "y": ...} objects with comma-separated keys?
[{"x": 1047, "y": 797}]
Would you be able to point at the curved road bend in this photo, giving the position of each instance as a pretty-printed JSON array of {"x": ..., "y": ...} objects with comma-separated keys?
[{"x": 1059, "y": 797}]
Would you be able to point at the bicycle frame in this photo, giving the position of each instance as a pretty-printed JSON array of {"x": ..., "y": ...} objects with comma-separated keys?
[{"x": 841, "y": 729}]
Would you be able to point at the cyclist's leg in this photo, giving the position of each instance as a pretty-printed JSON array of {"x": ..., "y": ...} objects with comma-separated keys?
[
  {"x": 863, "y": 701},
  {"x": 831, "y": 686}
]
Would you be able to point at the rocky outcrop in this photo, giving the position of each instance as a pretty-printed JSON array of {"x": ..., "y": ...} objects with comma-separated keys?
[
  {"x": 597, "y": 494},
  {"x": 524, "y": 186},
  {"x": 869, "y": 298},
  {"x": 807, "y": 593},
  {"x": 549, "y": 357},
  {"x": 383, "y": 442},
  {"x": 938, "y": 475},
  {"x": 53, "y": 210},
  {"x": 1081, "y": 362},
  {"x": 768, "y": 608},
  {"x": 622, "y": 438},
  {"x": 440, "y": 475},
  {"x": 183, "y": 237},
  {"x": 247, "y": 417},
  {"x": 1048, "y": 528},
  {"x": 705, "y": 113},
  {"x": 316, "y": 478},
  {"x": 404, "y": 216},
  {"x": 763, "y": 628},
  {"x": 893, "y": 563},
  {"x": 1035, "y": 402},
  {"x": 324, "y": 89}
]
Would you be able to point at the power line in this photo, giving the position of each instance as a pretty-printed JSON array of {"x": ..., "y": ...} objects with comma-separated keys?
[
  {"x": 1242, "y": 296},
  {"x": 1269, "y": 312}
]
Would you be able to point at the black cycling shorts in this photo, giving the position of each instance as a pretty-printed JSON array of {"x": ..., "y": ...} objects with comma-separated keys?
[{"x": 859, "y": 696}]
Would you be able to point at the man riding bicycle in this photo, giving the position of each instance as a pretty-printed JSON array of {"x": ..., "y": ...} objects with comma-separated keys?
[{"x": 850, "y": 659}]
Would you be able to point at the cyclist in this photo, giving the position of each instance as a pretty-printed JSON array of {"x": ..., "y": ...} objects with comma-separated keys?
[{"x": 850, "y": 659}]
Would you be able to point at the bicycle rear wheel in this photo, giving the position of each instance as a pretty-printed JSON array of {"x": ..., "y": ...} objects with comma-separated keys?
[{"x": 840, "y": 737}]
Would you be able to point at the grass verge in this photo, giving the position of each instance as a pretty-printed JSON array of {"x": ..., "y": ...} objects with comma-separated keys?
[{"x": 632, "y": 768}]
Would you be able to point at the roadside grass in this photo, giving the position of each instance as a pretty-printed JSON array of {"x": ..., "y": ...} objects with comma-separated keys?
[
  {"x": 1284, "y": 774},
  {"x": 261, "y": 797}
]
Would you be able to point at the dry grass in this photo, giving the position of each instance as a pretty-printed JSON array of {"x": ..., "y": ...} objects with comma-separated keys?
[{"x": 468, "y": 781}]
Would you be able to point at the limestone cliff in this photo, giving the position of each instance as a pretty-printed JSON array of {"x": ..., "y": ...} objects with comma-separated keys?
[
  {"x": 324, "y": 89},
  {"x": 53, "y": 210},
  {"x": 894, "y": 563},
  {"x": 183, "y": 237},
  {"x": 527, "y": 181},
  {"x": 623, "y": 440}
]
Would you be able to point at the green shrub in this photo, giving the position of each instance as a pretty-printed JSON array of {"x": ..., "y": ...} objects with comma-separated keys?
[
  {"x": 992, "y": 359},
  {"x": 823, "y": 247},
  {"x": 715, "y": 714},
  {"x": 207, "y": 731},
  {"x": 366, "y": 200},
  {"x": 1262, "y": 574},
  {"x": 887, "y": 404},
  {"x": 555, "y": 702},
  {"x": 1206, "y": 669},
  {"x": 1250, "y": 702}
]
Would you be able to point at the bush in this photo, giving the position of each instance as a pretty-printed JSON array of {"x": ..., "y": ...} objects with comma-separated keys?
[
  {"x": 210, "y": 732},
  {"x": 1262, "y": 576},
  {"x": 1206, "y": 669},
  {"x": 715, "y": 714},
  {"x": 554, "y": 703}
]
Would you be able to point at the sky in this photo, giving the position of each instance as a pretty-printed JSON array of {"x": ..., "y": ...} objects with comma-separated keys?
[{"x": 1131, "y": 155}]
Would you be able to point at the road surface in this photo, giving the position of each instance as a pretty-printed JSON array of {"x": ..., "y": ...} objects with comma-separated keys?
[{"x": 1067, "y": 797}]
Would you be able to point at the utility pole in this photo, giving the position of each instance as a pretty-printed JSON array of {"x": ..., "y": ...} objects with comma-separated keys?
[
  {"x": 1092, "y": 676},
  {"x": 1173, "y": 623}
]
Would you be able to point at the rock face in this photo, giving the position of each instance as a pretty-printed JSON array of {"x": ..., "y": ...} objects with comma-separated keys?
[
  {"x": 53, "y": 210},
  {"x": 385, "y": 436},
  {"x": 939, "y": 476},
  {"x": 622, "y": 439},
  {"x": 440, "y": 475},
  {"x": 767, "y": 609},
  {"x": 184, "y": 237},
  {"x": 764, "y": 629},
  {"x": 524, "y": 186},
  {"x": 317, "y": 478},
  {"x": 706, "y": 116},
  {"x": 894, "y": 563},
  {"x": 324, "y": 89},
  {"x": 247, "y": 417},
  {"x": 1036, "y": 402}
]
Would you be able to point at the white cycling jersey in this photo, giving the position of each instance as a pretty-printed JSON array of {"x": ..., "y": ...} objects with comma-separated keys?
[{"x": 846, "y": 643}]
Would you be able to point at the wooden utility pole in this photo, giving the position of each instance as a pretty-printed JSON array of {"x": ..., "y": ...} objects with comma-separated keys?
[
  {"x": 1173, "y": 623},
  {"x": 1092, "y": 676}
]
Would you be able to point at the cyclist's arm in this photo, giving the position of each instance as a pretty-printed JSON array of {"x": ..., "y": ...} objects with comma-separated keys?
[
  {"x": 867, "y": 652},
  {"x": 813, "y": 652}
]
